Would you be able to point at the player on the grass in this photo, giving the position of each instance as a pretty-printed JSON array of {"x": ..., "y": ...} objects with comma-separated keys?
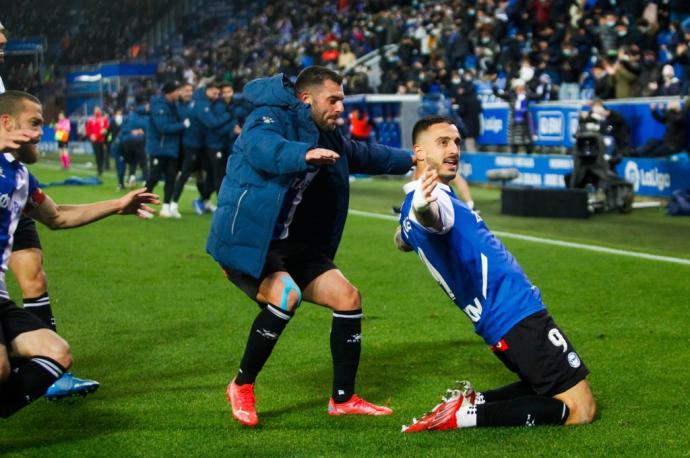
[
  {"x": 26, "y": 263},
  {"x": 485, "y": 281},
  {"x": 281, "y": 214},
  {"x": 32, "y": 356}
]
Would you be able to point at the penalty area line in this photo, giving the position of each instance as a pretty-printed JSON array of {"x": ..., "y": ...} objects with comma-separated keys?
[{"x": 560, "y": 243}]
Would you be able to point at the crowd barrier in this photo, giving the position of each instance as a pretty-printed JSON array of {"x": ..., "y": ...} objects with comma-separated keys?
[
  {"x": 554, "y": 123},
  {"x": 650, "y": 177}
]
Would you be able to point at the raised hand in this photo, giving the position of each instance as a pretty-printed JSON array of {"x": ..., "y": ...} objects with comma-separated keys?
[
  {"x": 11, "y": 141},
  {"x": 321, "y": 156},
  {"x": 134, "y": 202}
]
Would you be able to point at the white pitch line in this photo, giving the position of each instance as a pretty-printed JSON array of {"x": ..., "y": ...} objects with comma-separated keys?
[{"x": 561, "y": 243}]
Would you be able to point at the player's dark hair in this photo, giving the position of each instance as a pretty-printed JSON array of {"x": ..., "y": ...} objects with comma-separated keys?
[
  {"x": 225, "y": 84},
  {"x": 12, "y": 102},
  {"x": 212, "y": 85},
  {"x": 315, "y": 76},
  {"x": 428, "y": 121}
]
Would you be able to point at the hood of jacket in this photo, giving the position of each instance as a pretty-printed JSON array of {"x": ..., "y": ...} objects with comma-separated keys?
[{"x": 276, "y": 91}]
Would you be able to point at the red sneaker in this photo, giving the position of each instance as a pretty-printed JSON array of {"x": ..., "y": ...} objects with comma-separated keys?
[
  {"x": 243, "y": 403},
  {"x": 357, "y": 406},
  {"x": 442, "y": 417}
]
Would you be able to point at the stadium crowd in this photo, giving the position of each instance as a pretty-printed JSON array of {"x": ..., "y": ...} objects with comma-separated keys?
[{"x": 558, "y": 48}]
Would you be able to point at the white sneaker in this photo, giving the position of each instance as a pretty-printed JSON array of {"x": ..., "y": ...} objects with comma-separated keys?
[
  {"x": 165, "y": 211},
  {"x": 209, "y": 207},
  {"x": 132, "y": 182},
  {"x": 175, "y": 212}
]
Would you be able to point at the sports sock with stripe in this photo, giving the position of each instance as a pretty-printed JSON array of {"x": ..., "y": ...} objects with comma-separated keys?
[
  {"x": 27, "y": 383},
  {"x": 346, "y": 347},
  {"x": 40, "y": 306},
  {"x": 265, "y": 331}
]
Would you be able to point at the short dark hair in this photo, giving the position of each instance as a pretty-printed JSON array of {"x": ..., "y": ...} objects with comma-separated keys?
[
  {"x": 225, "y": 84},
  {"x": 11, "y": 102},
  {"x": 428, "y": 121},
  {"x": 315, "y": 76}
]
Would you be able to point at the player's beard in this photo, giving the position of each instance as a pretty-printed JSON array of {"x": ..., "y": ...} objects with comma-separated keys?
[
  {"x": 27, "y": 154},
  {"x": 321, "y": 120}
]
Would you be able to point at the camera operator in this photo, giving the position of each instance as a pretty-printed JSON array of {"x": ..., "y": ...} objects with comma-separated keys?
[{"x": 611, "y": 125}]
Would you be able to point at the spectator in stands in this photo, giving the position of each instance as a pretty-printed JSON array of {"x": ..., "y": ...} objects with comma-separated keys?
[
  {"x": 603, "y": 82},
  {"x": 670, "y": 85},
  {"x": 676, "y": 136},
  {"x": 62, "y": 130},
  {"x": 650, "y": 74},
  {"x": 625, "y": 73},
  {"x": 96, "y": 131},
  {"x": 520, "y": 127},
  {"x": 346, "y": 57},
  {"x": 571, "y": 72},
  {"x": 470, "y": 111},
  {"x": 543, "y": 90}
]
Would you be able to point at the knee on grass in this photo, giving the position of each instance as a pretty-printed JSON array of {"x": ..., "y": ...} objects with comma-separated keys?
[{"x": 582, "y": 412}]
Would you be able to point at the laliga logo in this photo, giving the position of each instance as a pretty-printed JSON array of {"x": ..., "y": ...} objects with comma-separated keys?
[
  {"x": 632, "y": 175},
  {"x": 651, "y": 178}
]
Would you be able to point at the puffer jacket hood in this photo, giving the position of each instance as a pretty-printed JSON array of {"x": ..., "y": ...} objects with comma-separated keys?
[{"x": 275, "y": 91}]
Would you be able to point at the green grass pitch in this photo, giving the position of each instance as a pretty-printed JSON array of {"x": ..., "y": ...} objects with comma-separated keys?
[{"x": 150, "y": 316}]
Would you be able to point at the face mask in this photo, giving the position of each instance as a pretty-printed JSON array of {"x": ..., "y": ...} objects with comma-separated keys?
[
  {"x": 622, "y": 33},
  {"x": 118, "y": 119},
  {"x": 456, "y": 80}
]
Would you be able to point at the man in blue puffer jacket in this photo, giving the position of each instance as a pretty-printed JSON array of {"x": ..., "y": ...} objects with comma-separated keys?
[
  {"x": 280, "y": 217},
  {"x": 132, "y": 137},
  {"x": 163, "y": 142},
  {"x": 216, "y": 148},
  {"x": 203, "y": 119}
]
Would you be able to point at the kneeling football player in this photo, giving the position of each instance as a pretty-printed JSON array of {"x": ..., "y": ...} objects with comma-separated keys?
[{"x": 485, "y": 281}]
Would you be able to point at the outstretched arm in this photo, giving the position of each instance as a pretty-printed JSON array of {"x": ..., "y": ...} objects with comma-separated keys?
[{"x": 67, "y": 216}]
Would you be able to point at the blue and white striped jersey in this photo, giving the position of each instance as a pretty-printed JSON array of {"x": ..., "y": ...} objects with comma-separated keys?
[
  {"x": 472, "y": 266},
  {"x": 17, "y": 189}
]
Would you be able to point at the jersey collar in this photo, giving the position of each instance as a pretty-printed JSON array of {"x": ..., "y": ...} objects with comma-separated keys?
[{"x": 9, "y": 157}]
